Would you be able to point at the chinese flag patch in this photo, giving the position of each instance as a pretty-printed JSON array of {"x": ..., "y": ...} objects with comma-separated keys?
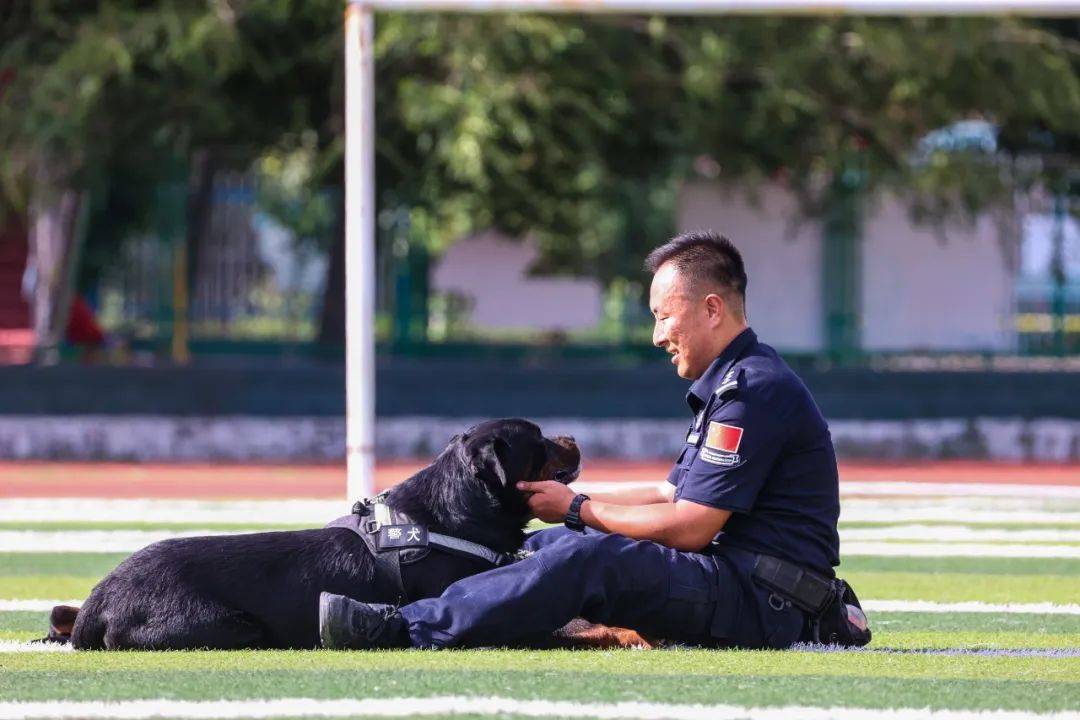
[{"x": 725, "y": 438}]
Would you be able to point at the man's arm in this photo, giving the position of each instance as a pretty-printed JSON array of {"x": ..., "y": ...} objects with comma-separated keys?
[
  {"x": 682, "y": 525},
  {"x": 661, "y": 492}
]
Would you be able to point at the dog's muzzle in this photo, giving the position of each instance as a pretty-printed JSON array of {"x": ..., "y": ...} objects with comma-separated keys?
[{"x": 567, "y": 476}]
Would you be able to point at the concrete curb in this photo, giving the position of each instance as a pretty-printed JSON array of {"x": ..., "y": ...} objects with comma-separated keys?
[{"x": 238, "y": 438}]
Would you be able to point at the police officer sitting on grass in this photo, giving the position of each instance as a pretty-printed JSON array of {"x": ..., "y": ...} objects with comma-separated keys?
[{"x": 735, "y": 549}]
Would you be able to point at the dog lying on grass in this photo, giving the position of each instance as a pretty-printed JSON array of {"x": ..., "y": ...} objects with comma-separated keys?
[{"x": 261, "y": 590}]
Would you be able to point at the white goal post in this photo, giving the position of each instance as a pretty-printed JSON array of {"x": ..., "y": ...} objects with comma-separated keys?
[{"x": 360, "y": 151}]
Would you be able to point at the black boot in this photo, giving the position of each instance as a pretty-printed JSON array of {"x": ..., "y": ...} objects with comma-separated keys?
[{"x": 347, "y": 624}]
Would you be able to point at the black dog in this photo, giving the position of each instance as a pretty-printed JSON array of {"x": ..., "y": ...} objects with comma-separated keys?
[{"x": 261, "y": 590}]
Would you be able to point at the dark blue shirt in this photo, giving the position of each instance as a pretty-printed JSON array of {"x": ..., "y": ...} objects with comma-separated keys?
[{"x": 760, "y": 448}]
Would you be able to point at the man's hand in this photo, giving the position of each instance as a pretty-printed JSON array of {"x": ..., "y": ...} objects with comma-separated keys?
[{"x": 549, "y": 500}]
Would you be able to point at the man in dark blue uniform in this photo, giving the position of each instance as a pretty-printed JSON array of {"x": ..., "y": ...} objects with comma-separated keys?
[{"x": 756, "y": 479}]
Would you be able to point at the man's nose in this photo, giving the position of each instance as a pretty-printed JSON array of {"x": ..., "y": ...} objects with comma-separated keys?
[{"x": 658, "y": 338}]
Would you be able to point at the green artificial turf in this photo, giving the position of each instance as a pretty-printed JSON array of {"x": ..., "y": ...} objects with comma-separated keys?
[
  {"x": 1028, "y": 623},
  {"x": 957, "y": 565},
  {"x": 865, "y": 679},
  {"x": 32, "y": 563},
  {"x": 960, "y": 587},
  {"x": 903, "y": 668},
  {"x": 891, "y": 630},
  {"x": 677, "y": 662},
  {"x": 12, "y": 563},
  {"x": 46, "y": 587},
  {"x": 953, "y": 579}
]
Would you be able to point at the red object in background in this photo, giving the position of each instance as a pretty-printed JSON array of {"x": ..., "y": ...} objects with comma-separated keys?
[
  {"x": 82, "y": 327},
  {"x": 16, "y": 337}
]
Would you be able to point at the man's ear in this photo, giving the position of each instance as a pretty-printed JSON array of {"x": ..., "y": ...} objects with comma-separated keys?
[
  {"x": 716, "y": 306},
  {"x": 487, "y": 463}
]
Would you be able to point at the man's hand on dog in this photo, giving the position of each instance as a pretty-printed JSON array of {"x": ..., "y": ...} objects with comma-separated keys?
[{"x": 550, "y": 500}]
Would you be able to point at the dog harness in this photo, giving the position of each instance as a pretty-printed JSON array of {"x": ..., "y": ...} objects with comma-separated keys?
[{"x": 394, "y": 539}]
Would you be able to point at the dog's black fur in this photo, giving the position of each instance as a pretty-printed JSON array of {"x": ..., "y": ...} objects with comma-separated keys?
[{"x": 261, "y": 590}]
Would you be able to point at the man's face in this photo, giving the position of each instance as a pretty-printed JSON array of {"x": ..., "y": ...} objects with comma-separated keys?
[{"x": 684, "y": 322}]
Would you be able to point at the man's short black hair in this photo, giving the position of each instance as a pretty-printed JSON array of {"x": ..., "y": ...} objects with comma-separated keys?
[{"x": 707, "y": 259}]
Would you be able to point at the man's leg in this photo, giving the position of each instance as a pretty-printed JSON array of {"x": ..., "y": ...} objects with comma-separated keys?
[
  {"x": 607, "y": 579},
  {"x": 542, "y": 538}
]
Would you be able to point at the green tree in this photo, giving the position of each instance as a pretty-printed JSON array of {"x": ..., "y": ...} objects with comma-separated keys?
[{"x": 577, "y": 130}]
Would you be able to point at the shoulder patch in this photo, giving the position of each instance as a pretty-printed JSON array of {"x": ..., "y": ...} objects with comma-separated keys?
[
  {"x": 730, "y": 384},
  {"x": 722, "y": 445},
  {"x": 723, "y": 437}
]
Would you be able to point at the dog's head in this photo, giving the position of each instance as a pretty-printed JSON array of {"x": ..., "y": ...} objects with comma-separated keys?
[
  {"x": 471, "y": 488},
  {"x": 505, "y": 452},
  {"x": 502, "y": 453}
]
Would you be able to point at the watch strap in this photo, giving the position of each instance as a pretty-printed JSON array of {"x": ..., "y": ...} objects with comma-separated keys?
[{"x": 573, "y": 514}]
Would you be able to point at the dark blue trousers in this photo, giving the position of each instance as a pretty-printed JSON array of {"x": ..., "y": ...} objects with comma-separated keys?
[{"x": 684, "y": 597}]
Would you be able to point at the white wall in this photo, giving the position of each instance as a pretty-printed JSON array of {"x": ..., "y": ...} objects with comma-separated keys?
[
  {"x": 921, "y": 291},
  {"x": 492, "y": 271},
  {"x": 783, "y": 260},
  {"x": 917, "y": 291}
]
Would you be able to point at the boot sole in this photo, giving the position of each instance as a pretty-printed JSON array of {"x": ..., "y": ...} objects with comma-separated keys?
[{"x": 327, "y": 621}]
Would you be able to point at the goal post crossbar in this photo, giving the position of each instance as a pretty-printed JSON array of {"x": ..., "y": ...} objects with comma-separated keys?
[{"x": 1046, "y": 8}]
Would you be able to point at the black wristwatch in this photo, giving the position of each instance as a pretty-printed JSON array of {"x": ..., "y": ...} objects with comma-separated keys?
[{"x": 573, "y": 515}]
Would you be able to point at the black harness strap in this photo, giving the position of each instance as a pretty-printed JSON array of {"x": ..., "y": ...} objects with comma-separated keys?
[
  {"x": 394, "y": 540},
  {"x": 387, "y": 564}
]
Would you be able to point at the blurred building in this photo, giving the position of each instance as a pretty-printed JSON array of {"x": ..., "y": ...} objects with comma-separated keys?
[
  {"x": 491, "y": 274},
  {"x": 903, "y": 286}
]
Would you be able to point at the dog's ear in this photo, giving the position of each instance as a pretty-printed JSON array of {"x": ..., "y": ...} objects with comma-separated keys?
[{"x": 487, "y": 462}]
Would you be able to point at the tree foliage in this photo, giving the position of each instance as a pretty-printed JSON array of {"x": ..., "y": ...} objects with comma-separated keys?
[{"x": 575, "y": 129}]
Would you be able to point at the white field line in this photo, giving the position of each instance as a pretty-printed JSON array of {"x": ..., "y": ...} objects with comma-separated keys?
[
  {"x": 126, "y": 541},
  {"x": 14, "y": 646},
  {"x": 900, "y": 513},
  {"x": 316, "y": 513},
  {"x": 927, "y": 606},
  {"x": 958, "y": 533},
  {"x": 1064, "y": 492},
  {"x": 494, "y": 706},
  {"x": 34, "y": 605},
  {"x": 960, "y": 509},
  {"x": 896, "y": 549}
]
